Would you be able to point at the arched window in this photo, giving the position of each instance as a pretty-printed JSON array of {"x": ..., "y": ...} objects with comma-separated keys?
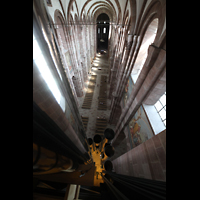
[
  {"x": 148, "y": 39},
  {"x": 160, "y": 106}
]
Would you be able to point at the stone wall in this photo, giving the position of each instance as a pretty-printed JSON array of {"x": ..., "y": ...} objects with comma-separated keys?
[{"x": 148, "y": 160}]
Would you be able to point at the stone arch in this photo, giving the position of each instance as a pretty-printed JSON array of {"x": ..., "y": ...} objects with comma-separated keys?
[
  {"x": 57, "y": 13},
  {"x": 60, "y": 28},
  {"x": 152, "y": 13},
  {"x": 154, "y": 10},
  {"x": 125, "y": 18},
  {"x": 69, "y": 10},
  {"x": 119, "y": 19},
  {"x": 147, "y": 39},
  {"x": 76, "y": 19},
  {"x": 133, "y": 16},
  {"x": 72, "y": 30},
  {"x": 62, "y": 31},
  {"x": 84, "y": 19},
  {"x": 110, "y": 3},
  {"x": 76, "y": 7},
  {"x": 99, "y": 11},
  {"x": 71, "y": 20},
  {"x": 101, "y": 7},
  {"x": 100, "y": 3},
  {"x": 76, "y": 23}
]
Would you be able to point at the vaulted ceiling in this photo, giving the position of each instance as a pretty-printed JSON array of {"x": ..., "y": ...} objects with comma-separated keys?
[
  {"x": 134, "y": 13},
  {"x": 92, "y": 8},
  {"x": 88, "y": 10}
]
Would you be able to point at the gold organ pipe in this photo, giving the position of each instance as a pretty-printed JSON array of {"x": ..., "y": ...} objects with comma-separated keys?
[{"x": 48, "y": 162}]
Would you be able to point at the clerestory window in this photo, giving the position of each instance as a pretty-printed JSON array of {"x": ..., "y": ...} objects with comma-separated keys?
[{"x": 160, "y": 106}]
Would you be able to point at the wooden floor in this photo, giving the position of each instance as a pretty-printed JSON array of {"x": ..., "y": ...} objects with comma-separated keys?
[
  {"x": 85, "y": 122},
  {"x": 89, "y": 94},
  {"x": 102, "y": 99},
  {"x": 101, "y": 125}
]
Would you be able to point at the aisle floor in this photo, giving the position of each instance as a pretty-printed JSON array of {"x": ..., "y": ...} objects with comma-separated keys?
[{"x": 101, "y": 62}]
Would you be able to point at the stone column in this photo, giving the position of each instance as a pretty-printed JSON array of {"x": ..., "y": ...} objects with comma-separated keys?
[
  {"x": 72, "y": 52},
  {"x": 113, "y": 77},
  {"x": 118, "y": 110},
  {"x": 153, "y": 68},
  {"x": 82, "y": 56},
  {"x": 77, "y": 85},
  {"x": 91, "y": 40},
  {"x": 118, "y": 37},
  {"x": 65, "y": 45},
  {"x": 85, "y": 74},
  {"x": 120, "y": 41},
  {"x": 77, "y": 54},
  {"x": 88, "y": 46},
  {"x": 113, "y": 49},
  {"x": 111, "y": 63},
  {"x": 129, "y": 62},
  {"x": 114, "y": 67},
  {"x": 122, "y": 70},
  {"x": 85, "y": 47},
  {"x": 95, "y": 40}
]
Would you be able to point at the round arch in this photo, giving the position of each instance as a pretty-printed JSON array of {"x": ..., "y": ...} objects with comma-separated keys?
[
  {"x": 60, "y": 30},
  {"x": 99, "y": 7},
  {"x": 102, "y": 3},
  {"x": 104, "y": 10},
  {"x": 154, "y": 10},
  {"x": 147, "y": 39},
  {"x": 133, "y": 16}
]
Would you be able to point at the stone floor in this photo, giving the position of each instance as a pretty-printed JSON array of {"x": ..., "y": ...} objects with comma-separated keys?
[{"x": 101, "y": 62}]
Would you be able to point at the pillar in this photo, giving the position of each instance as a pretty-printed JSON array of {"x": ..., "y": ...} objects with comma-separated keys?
[
  {"x": 74, "y": 60},
  {"x": 115, "y": 104},
  {"x": 154, "y": 66},
  {"x": 77, "y": 86},
  {"x": 82, "y": 56},
  {"x": 115, "y": 65}
]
